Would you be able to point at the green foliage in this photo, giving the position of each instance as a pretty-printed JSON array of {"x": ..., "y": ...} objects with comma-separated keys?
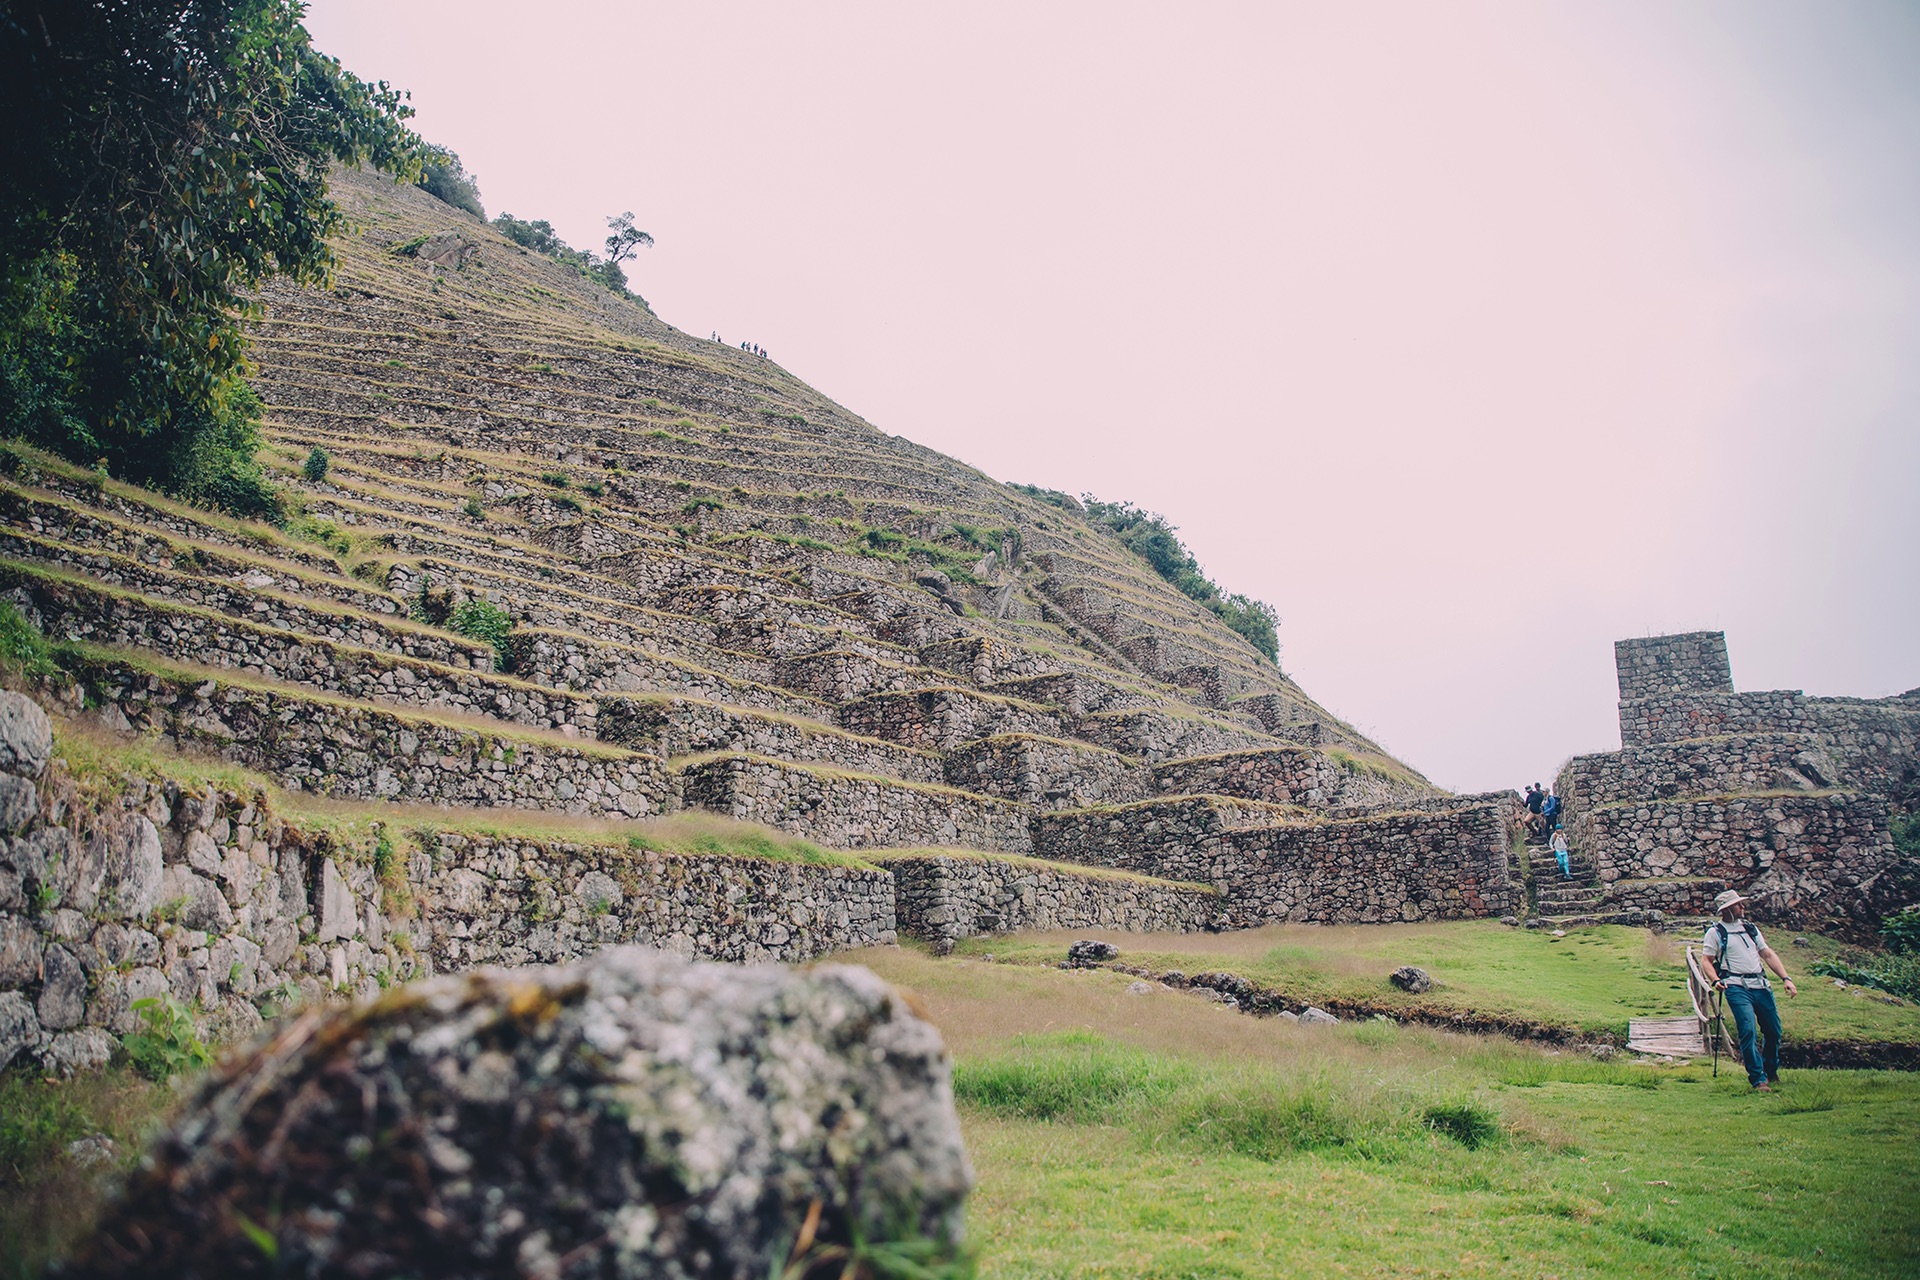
[
  {"x": 888, "y": 545},
  {"x": 554, "y": 478},
  {"x": 1468, "y": 1123},
  {"x": 594, "y": 488},
  {"x": 161, "y": 162},
  {"x": 1906, "y": 834},
  {"x": 474, "y": 509},
  {"x": 1150, "y": 537},
  {"x": 444, "y": 177},
  {"x": 315, "y": 467},
  {"x": 23, "y": 650},
  {"x": 1898, "y": 973},
  {"x": 1074, "y": 1076},
  {"x": 483, "y": 620},
  {"x": 1902, "y": 929},
  {"x": 539, "y": 236},
  {"x": 167, "y": 1044}
]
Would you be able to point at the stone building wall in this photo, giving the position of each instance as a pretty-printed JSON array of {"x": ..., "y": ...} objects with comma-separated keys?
[
  {"x": 1695, "y": 662},
  {"x": 561, "y": 661},
  {"x": 1718, "y": 766},
  {"x": 1675, "y": 717},
  {"x": 1811, "y": 861},
  {"x": 944, "y": 898}
]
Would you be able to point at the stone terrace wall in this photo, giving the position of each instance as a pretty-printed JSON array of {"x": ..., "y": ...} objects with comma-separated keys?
[
  {"x": 490, "y": 900},
  {"x": 1046, "y": 772},
  {"x": 946, "y": 898},
  {"x": 674, "y": 727},
  {"x": 1175, "y": 839},
  {"x": 1874, "y": 742},
  {"x": 357, "y": 752},
  {"x": 1695, "y": 662},
  {"x": 1445, "y": 865},
  {"x": 1810, "y": 861},
  {"x": 235, "y": 912},
  {"x": 942, "y": 719},
  {"x": 847, "y": 811},
  {"x": 1698, "y": 767}
]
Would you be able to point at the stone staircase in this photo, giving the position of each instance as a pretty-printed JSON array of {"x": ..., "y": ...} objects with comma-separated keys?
[{"x": 726, "y": 593}]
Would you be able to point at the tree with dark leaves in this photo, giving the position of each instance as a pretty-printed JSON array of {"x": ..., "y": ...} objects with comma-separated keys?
[{"x": 159, "y": 159}]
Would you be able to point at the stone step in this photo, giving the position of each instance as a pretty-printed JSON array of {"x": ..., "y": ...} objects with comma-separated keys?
[{"x": 848, "y": 810}]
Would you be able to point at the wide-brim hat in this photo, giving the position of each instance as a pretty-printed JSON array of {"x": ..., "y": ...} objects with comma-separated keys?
[{"x": 1726, "y": 899}]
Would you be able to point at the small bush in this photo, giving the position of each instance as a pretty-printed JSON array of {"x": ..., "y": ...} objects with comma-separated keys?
[
  {"x": 23, "y": 650},
  {"x": 566, "y": 503},
  {"x": 595, "y": 488},
  {"x": 1898, "y": 974},
  {"x": 167, "y": 1045},
  {"x": 474, "y": 509},
  {"x": 315, "y": 469},
  {"x": 556, "y": 479},
  {"x": 1467, "y": 1123},
  {"x": 485, "y": 621},
  {"x": 1902, "y": 928}
]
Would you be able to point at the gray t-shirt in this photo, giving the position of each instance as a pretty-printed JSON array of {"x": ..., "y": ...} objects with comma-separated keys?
[{"x": 1743, "y": 948}]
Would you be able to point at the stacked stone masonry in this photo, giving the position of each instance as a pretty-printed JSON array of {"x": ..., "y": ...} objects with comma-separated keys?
[{"x": 1781, "y": 796}]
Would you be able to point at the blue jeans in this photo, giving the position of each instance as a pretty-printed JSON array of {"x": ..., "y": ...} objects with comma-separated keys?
[{"x": 1754, "y": 1014}]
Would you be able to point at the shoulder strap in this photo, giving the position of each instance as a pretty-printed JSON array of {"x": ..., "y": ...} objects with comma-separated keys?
[{"x": 1720, "y": 956}]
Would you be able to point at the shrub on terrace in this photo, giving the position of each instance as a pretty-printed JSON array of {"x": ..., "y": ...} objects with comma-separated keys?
[
  {"x": 1149, "y": 536},
  {"x": 443, "y": 176},
  {"x": 539, "y": 236},
  {"x": 315, "y": 467},
  {"x": 485, "y": 621}
]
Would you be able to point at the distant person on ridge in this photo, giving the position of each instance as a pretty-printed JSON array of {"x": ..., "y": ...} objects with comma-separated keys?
[{"x": 1740, "y": 958}]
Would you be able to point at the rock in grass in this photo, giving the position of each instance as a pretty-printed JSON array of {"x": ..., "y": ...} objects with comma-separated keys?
[
  {"x": 1314, "y": 1014},
  {"x": 1411, "y": 978},
  {"x": 26, "y": 736},
  {"x": 632, "y": 1115},
  {"x": 1090, "y": 951}
]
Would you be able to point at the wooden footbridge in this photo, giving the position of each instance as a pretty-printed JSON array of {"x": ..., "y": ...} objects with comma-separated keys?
[{"x": 1693, "y": 1035}]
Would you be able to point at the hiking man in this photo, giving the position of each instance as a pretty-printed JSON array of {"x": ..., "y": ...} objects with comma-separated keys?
[
  {"x": 1740, "y": 958},
  {"x": 1536, "y": 797}
]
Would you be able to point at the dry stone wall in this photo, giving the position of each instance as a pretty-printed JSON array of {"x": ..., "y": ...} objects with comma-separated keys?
[
  {"x": 347, "y": 750},
  {"x": 850, "y": 811},
  {"x": 944, "y": 898},
  {"x": 1695, "y": 662},
  {"x": 1811, "y": 861},
  {"x": 673, "y": 727},
  {"x": 1047, "y": 773}
]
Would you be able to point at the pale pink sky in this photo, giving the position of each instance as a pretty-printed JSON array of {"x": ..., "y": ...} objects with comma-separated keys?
[{"x": 1471, "y": 336}]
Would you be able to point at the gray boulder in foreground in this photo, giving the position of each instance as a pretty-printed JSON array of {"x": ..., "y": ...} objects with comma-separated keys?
[{"x": 631, "y": 1115}]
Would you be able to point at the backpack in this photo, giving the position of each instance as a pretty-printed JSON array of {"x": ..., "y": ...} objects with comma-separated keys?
[
  {"x": 1551, "y": 807},
  {"x": 1720, "y": 956}
]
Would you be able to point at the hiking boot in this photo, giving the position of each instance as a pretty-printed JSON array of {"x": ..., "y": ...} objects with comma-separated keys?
[{"x": 1763, "y": 1087}]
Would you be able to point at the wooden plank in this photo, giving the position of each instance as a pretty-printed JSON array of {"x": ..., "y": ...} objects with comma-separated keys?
[{"x": 1670, "y": 1037}]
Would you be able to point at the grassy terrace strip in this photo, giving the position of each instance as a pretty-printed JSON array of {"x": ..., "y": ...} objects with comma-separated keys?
[
  {"x": 1074, "y": 869},
  {"x": 51, "y": 569},
  {"x": 1146, "y": 1137},
  {"x": 214, "y": 557},
  {"x": 59, "y": 477},
  {"x": 681, "y": 764},
  {"x": 89, "y": 662},
  {"x": 1590, "y": 982},
  {"x": 102, "y": 763}
]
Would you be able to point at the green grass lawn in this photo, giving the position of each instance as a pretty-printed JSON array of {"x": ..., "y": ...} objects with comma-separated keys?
[
  {"x": 1121, "y": 1135},
  {"x": 1592, "y": 980}
]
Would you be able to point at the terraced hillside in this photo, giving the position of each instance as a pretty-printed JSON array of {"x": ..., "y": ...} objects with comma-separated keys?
[{"x": 726, "y": 593}]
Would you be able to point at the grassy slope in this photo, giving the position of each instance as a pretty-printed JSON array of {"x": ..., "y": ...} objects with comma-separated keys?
[
  {"x": 1196, "y": 1142},
  {"x": 1593, "y": 979}
]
